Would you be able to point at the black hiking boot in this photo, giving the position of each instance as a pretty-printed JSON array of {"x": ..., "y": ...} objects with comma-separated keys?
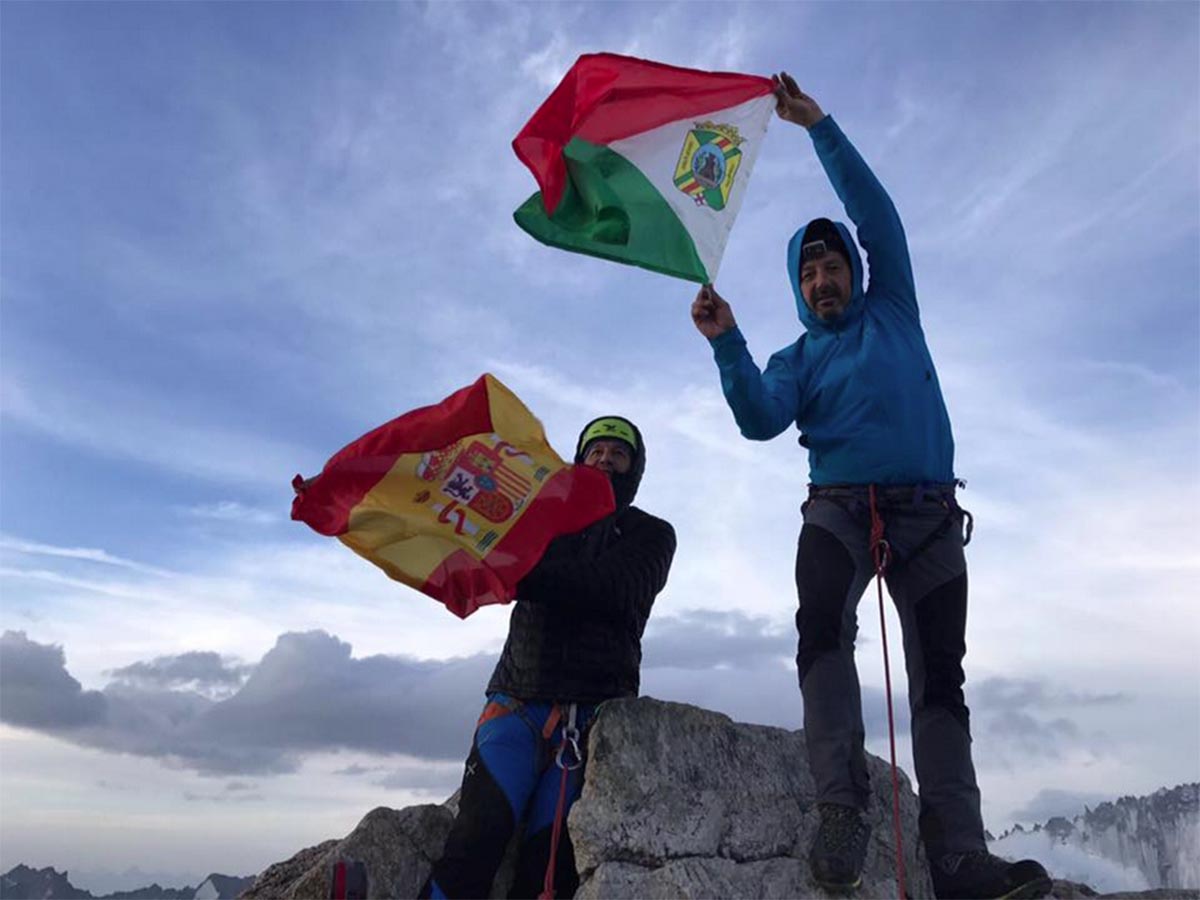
[
  {"x": 979, "y": 875},
  {"x": 840, "y": 847}
]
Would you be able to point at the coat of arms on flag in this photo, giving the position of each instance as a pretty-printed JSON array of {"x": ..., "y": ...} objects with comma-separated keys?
[
  {"x": 489, "y": 477},
  {"x": 708, "y": 164},
  {"x": 457, "y": 500}
]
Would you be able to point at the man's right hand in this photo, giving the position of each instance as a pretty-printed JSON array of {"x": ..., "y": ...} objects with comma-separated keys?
[
  {"x": 712, "y": 315},
  {"x": 792, "y": 104}
]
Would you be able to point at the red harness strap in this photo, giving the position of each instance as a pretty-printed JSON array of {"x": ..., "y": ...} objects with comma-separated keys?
[{"x": 881, "y": 554}]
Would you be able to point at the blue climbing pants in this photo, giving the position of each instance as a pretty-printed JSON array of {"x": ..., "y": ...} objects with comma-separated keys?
[{"x": 510, "y": 778}]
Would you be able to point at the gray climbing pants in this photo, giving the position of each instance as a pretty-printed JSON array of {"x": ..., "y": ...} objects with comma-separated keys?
[{"x": 927, "y": 580}]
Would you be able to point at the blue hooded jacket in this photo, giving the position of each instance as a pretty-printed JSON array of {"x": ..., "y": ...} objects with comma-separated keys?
[{"x": 862, "y": 389}]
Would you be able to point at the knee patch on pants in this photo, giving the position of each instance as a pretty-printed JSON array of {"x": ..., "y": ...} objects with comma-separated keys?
[
  {"x": 824, "y": 575},
  {"x": 941, "y": 619}
]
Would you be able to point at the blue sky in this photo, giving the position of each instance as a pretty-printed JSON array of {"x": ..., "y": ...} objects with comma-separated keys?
[{"x": 236, "y": 236}]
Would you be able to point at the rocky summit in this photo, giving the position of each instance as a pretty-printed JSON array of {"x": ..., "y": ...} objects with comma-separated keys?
[
  {"x": 683, "y": 802},
  {"x": 678, "y": 802}
]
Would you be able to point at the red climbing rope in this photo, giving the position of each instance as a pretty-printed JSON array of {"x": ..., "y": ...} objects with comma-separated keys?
[
  {"x": 881, "y": 554},
  {"x": 548, "y": 886},
  {"x": 568, "y": 758}
]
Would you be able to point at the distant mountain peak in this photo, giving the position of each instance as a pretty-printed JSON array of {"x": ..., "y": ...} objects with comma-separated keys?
[
  {"x": 1157, "y": 835},
  {"x": 22, "y": 882}
]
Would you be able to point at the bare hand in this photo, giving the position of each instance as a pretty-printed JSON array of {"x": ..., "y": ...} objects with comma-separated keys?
[
  {"x": 712, "y": 315},
  {"x": 792, "y": 104}
]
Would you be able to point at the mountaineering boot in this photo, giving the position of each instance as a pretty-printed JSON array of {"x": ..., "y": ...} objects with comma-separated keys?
[
  {"x": 840, "y": 847},
  {"x": 978, "y": 875}
]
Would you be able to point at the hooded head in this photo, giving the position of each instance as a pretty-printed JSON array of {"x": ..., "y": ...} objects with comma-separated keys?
[
  {"x": 826, "y": 275},
  {"x": 616, "y": 428}
]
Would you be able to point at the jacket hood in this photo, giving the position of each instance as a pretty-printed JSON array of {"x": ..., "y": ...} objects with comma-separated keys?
[
  {"x": 624, "y": 485},
  {"x": 853, "y": 310}
]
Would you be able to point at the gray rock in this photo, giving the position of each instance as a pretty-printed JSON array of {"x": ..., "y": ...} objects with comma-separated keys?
[
  {"x": 683, "y": 802},
  {"x": 678, "y": 802},
  {"x": 397, "y": 846}
]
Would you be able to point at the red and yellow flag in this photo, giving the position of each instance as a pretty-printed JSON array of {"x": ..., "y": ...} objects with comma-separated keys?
[{"x": 457, "y": 500}]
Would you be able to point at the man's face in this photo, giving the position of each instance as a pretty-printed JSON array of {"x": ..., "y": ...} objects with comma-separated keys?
[
  {"x": 825, "y": 283},
  {"x": 613, "y": 457}
]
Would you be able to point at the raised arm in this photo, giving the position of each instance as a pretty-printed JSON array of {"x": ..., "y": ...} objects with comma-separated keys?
[
  {"x": 763, "y": 403},
  {"x": 868, "y": 205}
]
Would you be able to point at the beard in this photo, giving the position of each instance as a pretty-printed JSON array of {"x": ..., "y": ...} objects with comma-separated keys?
[{"x": 825, "y": 310}]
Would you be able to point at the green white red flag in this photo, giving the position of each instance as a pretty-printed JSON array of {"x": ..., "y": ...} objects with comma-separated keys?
[
  {"x": 643, "y": 163},
  {"x": 457, "y": 500}
]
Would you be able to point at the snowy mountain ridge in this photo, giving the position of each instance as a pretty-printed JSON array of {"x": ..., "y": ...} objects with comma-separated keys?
[{"x": 1134, "y": 843}]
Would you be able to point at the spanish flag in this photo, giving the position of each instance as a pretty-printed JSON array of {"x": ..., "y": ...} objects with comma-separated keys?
[{"x": 457, "y": 500}]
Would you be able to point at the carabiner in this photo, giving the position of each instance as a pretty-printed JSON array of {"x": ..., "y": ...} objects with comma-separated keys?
[{"x": 570, "y": 741}]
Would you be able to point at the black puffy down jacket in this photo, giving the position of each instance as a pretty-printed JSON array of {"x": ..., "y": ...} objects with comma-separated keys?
[{"x": 576, "y": 628}]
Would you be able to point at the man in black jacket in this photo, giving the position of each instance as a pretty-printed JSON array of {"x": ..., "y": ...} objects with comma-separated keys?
[{"x": 574, "y": 641}]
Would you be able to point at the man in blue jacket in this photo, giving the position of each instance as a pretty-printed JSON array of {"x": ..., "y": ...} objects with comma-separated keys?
[{"x": 861, "y": 387}]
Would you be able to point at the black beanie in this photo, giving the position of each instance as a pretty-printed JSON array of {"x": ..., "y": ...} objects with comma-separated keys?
[{"x": 824, "y": 230}]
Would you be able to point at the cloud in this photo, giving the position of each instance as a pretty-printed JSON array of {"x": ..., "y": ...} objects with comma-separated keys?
[
  {"x": 704, "y": 639},
  {"x": 231, "y": 511},
  {"x": 1051, "y": 802},
  {"x": 1030, "y": 735},
  {"x": 201, "y": 671},
  {"x": 307, "y": 695},
  {"x": 224, "y": 796},
  {"x": 1017, "y": 694},
  {"x": 84, "y": 554},
  {"x": 355, "y": 770},
  {"x": 439, "y": 780},
  {"x": 1023, "y": 720},
  {"x": 37, "y": 692}
]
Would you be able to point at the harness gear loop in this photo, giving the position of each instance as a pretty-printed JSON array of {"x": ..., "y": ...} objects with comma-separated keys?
[
  {"x": 881, "y": 555},
  {"x": 570, "y": 741}
]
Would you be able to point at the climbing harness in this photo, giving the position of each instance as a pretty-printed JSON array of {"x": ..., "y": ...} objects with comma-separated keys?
[
  {"x": 881, "y": 553},
  {"x": 849, "y": 498},
  {"x": 568, "y": 757}
]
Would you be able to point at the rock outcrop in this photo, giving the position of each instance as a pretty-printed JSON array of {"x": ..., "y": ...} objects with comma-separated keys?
[
  {"x": 678, "y": 802},
  {"x": 683, "y": 802},
  {"x": 397, "y": 846}
]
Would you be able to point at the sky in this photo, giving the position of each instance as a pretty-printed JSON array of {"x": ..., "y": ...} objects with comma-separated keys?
[{"x": 237, "y": 236}]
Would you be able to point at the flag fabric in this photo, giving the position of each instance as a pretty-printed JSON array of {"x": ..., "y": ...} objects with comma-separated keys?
[
  {"x": 457, "y": 500},
  {"x": 643, "y": 163}
]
